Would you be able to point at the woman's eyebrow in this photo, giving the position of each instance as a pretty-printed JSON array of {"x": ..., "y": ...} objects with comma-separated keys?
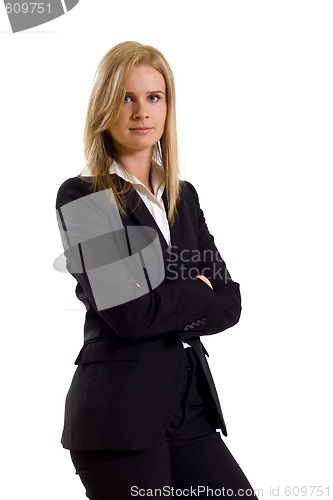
[{"x": 150, "y": 92}]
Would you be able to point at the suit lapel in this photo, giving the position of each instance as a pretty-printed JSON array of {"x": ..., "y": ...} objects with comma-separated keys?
[{"x": 139, "y": 214}]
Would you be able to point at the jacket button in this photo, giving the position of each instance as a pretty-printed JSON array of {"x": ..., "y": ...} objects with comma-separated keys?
[
  {"x": 187, "y": 327},
  {"x": 198, "y": 323},
  {"x": 204, "y": 321},
  {"x": 192, "y": 325}
]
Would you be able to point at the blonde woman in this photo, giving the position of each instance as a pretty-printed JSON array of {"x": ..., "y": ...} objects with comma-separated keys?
[{"x": 142, "y": 414}]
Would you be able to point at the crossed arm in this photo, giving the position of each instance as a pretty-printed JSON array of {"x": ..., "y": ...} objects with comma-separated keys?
[{"x": 211, "y": 302}]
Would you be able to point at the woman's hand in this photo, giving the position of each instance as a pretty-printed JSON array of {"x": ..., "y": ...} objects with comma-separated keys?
[{"x": 206, "y": 280}]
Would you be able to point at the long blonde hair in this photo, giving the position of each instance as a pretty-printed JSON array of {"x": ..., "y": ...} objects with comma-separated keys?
[{"x": 106, "y": 100}]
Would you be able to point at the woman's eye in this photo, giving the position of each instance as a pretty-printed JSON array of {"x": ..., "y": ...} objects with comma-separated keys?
[
  {"x": 151, "y": 98},
  {"x": 154, "y": 98}
]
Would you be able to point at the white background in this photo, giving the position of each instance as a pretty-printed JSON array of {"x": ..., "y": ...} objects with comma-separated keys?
[{"x": 255, "y": 117}]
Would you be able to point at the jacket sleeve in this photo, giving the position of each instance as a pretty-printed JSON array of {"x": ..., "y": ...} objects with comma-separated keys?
[
  {"x": 164, "y": 310},
  {"x": 226, "y": 292}
]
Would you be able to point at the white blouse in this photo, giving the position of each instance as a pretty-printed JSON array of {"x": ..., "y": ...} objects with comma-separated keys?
[{"x": 153, "y": 202}]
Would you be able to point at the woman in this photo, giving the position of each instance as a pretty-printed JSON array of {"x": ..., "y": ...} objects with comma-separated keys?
[{"x": 142, "y": 413}]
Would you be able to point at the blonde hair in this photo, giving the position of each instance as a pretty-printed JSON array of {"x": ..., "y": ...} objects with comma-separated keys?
[{"x": 106, "y": 100}]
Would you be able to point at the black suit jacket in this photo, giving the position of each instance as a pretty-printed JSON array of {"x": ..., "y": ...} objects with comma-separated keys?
[{"x": 125, "y": 387}]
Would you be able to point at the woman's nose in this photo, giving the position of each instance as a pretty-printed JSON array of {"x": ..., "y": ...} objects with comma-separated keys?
[{"x": 140, "y": 112}]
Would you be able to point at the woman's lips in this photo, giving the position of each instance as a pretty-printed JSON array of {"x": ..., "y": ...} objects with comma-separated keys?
[{"x": 141, "y": 130}]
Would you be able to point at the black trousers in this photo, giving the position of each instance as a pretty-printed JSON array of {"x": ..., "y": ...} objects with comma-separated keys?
[{"x": 190, "y": 459}]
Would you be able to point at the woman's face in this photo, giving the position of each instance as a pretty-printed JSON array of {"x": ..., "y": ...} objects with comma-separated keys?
[{"x": 142, "y": 117}]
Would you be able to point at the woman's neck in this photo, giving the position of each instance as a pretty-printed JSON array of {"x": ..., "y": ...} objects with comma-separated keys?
[{"x": 139, "y": 164}]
